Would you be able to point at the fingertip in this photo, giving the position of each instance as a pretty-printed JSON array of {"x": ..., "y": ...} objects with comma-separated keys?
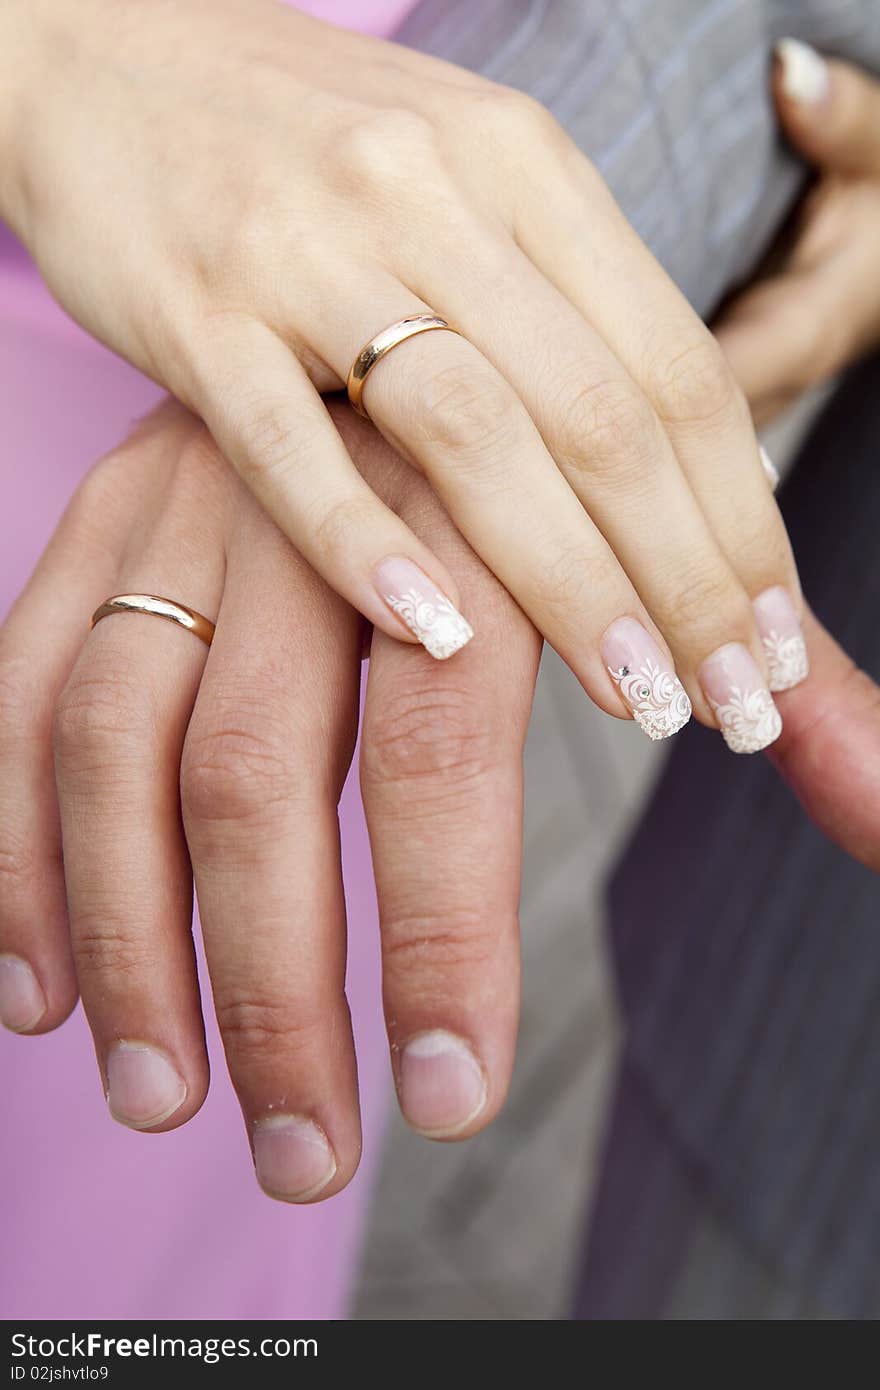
[
  {"x": 23, "y": 1003},
  {"x": 294, "y": 1160},
  {"x": 147, "y": 1091},
  {"x": 442, "y": 1087}
]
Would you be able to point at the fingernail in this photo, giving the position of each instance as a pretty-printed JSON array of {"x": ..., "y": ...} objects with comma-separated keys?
[
  {"x": 769, "y": 467},
  {"x": 645, "y": 678},
  {"x": 782, "y": 637},
  {"x": 143, "y": 1088},
  {"x": 733, "y": 685},
  {"x": 805, "y": 76},
  {"x": 442, "y": 1086},
  {"x": 22, "y": 1001},
  {"x": 292, "y": 1157},
  {"x": 419, "y": 604}
]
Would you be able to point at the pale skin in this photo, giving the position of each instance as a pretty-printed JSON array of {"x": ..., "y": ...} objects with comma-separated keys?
[
  {"x": 235, "y": 197},
  {"x": 251, "y": 744}
]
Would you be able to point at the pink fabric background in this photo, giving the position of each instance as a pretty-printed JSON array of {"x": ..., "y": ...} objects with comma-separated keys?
[{"x": 99, "y": 1222}]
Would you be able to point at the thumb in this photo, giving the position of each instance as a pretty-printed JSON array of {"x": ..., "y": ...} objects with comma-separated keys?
[{"x": 829, "y": 110}]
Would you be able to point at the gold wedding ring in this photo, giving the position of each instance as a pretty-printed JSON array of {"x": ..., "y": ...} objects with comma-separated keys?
[
  {"x": 194, "y": 622},
  {"x": 383, "y": 342}
]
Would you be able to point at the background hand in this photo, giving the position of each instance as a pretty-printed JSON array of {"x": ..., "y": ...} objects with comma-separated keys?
[
  {"x": 819, "y": 309},
  {"x": 173, "y": 761}
]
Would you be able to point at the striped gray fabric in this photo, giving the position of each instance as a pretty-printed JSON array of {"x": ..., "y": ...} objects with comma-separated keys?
[
  {"x": 742, "y": 1170},
  {"x": 669, "y": 98}
]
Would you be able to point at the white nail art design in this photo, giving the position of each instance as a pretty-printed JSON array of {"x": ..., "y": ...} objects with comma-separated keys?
[
  {"x": 437, "y": 624},
  {"x": 804, "y": 72},
  {"x": 749, "y": 720},
  {"x": 770, "y": 468},
  {"x": 657, "y": 698},
  {"x": 787, "y": 661}
]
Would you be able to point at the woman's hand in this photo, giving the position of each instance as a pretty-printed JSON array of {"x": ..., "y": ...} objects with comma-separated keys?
[
  {"x": 819, "y": 310},
  {"x": 236, "y": 197},
  {"x": 172, "y": 760}
]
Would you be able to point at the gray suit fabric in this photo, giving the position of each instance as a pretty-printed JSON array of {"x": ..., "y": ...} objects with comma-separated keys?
[
  {"x": 742, "y": 1166},
  {"x": 669, "y": 98}
]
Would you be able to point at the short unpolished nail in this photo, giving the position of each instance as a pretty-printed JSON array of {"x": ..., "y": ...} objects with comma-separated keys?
[
  {"x": 733, "y": 685},
  {"x": 22, "y": 1001},
  {"x": 442, "y": 1085},
  {"x": 143, "y": 1087},
  {"x": 646, "y": 679},
  {"x": 419, "y": 604},
  {"x": 292, "y": 1157}
]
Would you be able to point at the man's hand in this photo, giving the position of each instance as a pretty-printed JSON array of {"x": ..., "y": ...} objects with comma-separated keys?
[
  {"x": 173, "y": 761},
  {"x": 819, "y": 310}
]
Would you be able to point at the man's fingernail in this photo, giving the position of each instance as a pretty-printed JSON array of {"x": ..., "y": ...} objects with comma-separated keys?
[
  {"x": 442, "y": 1085},
  {"x": 429, "y": 615},
  {"x": 22, "y": 1001},
  {"x": 646, "y": 679},
  {"x": 143, "y": 1088},
  {"x": 733, "y": 685},
  {"x": 770, "y": 469},
  {"x": 782, "y": 637},
  {"x": 293, "y": 1158},
  {"x": 805, "y": 75}
]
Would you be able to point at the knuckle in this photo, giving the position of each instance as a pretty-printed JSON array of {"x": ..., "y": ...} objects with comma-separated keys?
[
  {"x": 107, "y": 945},
  {"x": 605, "y": 428},
  {"x": 99, "y": 486},
  {"x": 269, "y": 448},
  {"x": 239, "y": 770},
  {"x": 465, "y": 410},
  {"x": 512, "y": 110},
  {"x": 386, "y": 146},
  {"x": 696, "y": 386},
  {"x": 96, "y": 713},
  {"x": 265, "y": 1027},
  {"x": 428, "y": 947},
  {"x": 710, "y": 601},
  {"x": 334, "y": 531},
  {"x": 427, "y": 733},
  {"x": 565, "y": 579}
]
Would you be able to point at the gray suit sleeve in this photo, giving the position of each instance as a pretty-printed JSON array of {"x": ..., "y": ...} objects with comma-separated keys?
[{"x": 669, "y": 98}]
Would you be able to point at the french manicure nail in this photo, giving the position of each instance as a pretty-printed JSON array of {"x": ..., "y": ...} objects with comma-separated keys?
[
  {"x": 442, "y": 1086},
  {"x": 645, "y": 678},
  {"x": 143, "y": 1088},
  {"x": 292, "y": 1157},
  {"x": 782, "y": 637},
  {"x": 733, "y": 685},
  {"x": 428, "y": 613},
  {"x": 805, "y": 76},
  {"x": 770, "y": 469},
  {"x": 22, "y": 1001}
]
